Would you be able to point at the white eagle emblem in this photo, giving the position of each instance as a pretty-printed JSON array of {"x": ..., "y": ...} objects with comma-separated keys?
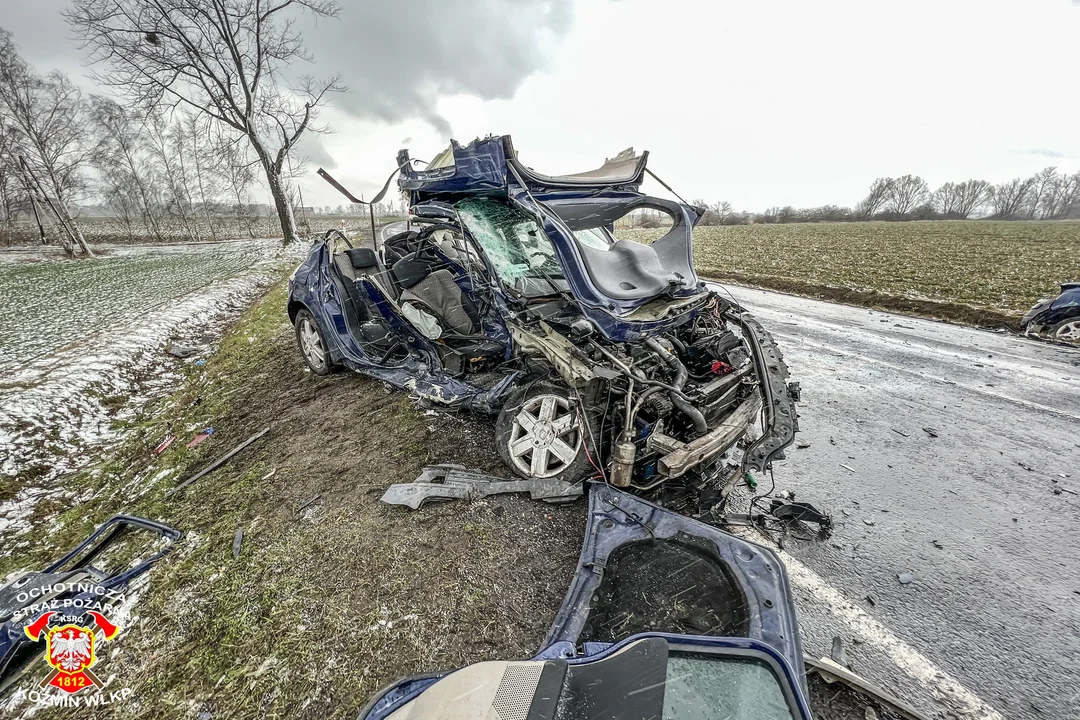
[{"x": 70, "y": 649}]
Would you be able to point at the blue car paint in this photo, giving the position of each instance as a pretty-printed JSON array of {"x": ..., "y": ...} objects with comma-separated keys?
[
  {"x": 1049, "y": 313},
  {"x": 90, "y": 593},
  {"x": 312, "y": 287},
  {"x": 482, "y": 168},
  {"x": 617, "y": 519}
]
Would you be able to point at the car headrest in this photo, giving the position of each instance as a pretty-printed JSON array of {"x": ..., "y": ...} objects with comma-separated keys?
[
  {"x": 410, "y": 271},
  {"x": 362, "y": 258}
]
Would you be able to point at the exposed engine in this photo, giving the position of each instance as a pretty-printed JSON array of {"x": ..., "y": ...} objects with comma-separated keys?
[{"x": 666, "y": 406}]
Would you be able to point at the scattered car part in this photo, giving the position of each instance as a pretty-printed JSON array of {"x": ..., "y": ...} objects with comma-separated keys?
[
  {"x": 831, "y": 672},
  {"x": 237, "y": 542},
  {"x": 217, "y": 463},
  {"x": 72, "y": 578},
  {"x": 438, "y": 483},
  {"x": 199, "y": 438},
  {"x": 1057, "y": 318},
  {"x": 788, "y": 511},
  {"x": 717, "y": 636}
]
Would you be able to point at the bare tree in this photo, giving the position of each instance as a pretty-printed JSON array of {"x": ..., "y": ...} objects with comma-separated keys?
[
  {"x": 206, "y": 164},
  {"x": 1062, "y": 199},
  {"x": 238, "y": 173},
  {"x": 1011, "y": 198},
  {"x": 873, "y": 203},
  {"x": 971, "y": 195},
  {"x": 946, "y": 198},
  {"x": 906, "y": 193},
  {"x": 715, "y": 213},
  {"x": 12, "y": 192},
  {"x": 221, "y": 58},
  {"x": 168, "y": 151},
  {"x": 1042, "y": 187},
  {"x": 120, "y": 156},
  {"x": 47, "y": 122}
]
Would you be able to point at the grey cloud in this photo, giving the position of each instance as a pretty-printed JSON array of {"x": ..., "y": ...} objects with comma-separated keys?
[
  {"x": 1054, "y": 154},
  {"x": 398, "y": 58},
  {"x": 312, "y": 150}
]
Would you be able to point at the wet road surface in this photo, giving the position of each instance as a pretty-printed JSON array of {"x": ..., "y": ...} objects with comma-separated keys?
[{"x": 984, "y": 515}]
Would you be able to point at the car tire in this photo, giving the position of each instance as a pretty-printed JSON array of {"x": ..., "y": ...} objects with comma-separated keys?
[
  {"x": 1066, "y": 331},
  {"x": 557, "y": 445},
  {"x": 312, "y": 344}
]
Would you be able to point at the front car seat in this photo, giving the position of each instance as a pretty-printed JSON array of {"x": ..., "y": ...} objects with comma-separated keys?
[{"x": 437, "y": 292}]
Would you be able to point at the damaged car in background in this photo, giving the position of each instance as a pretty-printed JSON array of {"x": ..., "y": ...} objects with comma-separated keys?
[
  {"x": 508, "y": 293},
  {"x": 1058, "y": 317}
]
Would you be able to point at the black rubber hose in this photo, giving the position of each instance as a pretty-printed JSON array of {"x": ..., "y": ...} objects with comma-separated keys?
[{"x": 681, "y": 374}]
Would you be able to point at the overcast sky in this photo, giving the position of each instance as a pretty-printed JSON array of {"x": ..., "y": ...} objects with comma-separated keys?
[{"x": 760, "y": 103}]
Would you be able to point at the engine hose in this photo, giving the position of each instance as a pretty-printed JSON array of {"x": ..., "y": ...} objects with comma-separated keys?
[
  {"x": 641, "y": 401},
  {"x": 677, "y": 343},
  {"x": 681, "y": 374}
]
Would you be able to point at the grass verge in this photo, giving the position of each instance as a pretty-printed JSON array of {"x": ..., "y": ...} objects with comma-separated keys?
[{"x": 333, "y": 594}]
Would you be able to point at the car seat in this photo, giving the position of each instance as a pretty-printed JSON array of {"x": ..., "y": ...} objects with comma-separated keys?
[{"x": 437, "y": 292}]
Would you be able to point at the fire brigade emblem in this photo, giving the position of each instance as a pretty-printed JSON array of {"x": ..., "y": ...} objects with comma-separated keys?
[{"x": 70, "y": 651}]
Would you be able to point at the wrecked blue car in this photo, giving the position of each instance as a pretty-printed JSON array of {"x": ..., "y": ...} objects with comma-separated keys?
[
  {"x": 665, "y": 618},
  {"x": 509, "y": 292},
  {"x": 1056, "y": 317}
]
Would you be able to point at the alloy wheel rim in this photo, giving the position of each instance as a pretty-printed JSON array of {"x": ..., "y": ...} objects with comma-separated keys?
[
  {"x": 1069, "y": 331},
  {"x": 545, "y": 438},
  {"x": 312, "y": 343}
]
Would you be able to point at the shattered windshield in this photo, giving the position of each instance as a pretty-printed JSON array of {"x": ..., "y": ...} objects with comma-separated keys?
[
  {"x": 703, "y": 687},
  {"x": 515, "y": 245}
]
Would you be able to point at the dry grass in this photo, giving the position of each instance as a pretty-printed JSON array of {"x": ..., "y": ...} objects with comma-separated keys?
[
  {"x": 325, "y": 605},
  {"x": 945, "y": 268}
]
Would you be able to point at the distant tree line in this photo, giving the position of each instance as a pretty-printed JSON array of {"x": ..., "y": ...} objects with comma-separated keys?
[
  {"x": 59, "y": 150},
  {"x": 206, "y": 111},
  {"x": 1047, "y": 195}
]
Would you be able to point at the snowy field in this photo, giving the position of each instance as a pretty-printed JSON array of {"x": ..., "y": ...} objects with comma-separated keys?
[{"x": 83, "y": 345}]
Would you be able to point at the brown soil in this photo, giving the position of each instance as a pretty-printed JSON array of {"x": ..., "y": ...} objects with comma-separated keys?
[{"x": 369, "y": 592}]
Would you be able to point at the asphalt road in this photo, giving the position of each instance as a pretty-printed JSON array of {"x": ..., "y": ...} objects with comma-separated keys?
[{"x": 984, "y": 515}]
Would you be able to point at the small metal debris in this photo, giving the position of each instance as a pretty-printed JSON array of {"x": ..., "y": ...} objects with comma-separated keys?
[
  {"x": 870, "y": 599},
  {"x": 900, "y": 432},
  {"x": 439, "y": 483},
  {"x": 802, "y": 446},
  {"x": 164, "y": 445},
  {"x": 1026, "y": 467},
  {"x": 182, "y": 351},
  {"x": 217, "y": 463},
  {"x": 846, "y": 467},
  {"x": 937, "y": 544},
  {"x": 788, "y": 511},
  {"x": 871, "y": 523},
  {"x": 930, "y": 431},
  {"x": 308, "y": 503},
  {"x": 236, "y": 541},
  {"x": 905, "y": 578}
]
